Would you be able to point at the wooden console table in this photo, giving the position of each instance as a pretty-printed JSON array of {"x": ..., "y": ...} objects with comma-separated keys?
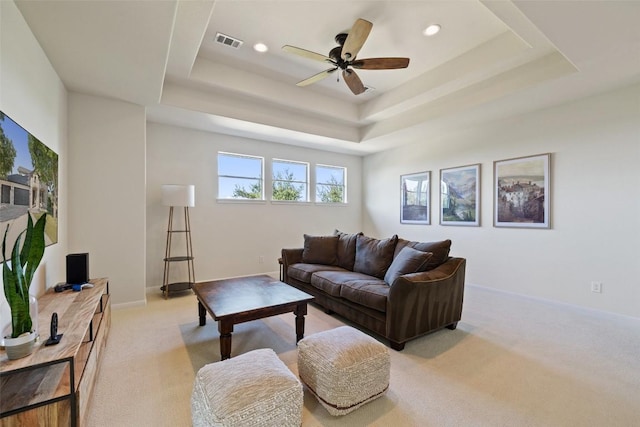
[{"x": 53, "y": 385}]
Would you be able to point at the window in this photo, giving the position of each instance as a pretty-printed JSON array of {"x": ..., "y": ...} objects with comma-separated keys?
[
  {"x": 331, "y": 184},
  {"x": 290, "y": 180},
  {"x": 240, "y": 176}
]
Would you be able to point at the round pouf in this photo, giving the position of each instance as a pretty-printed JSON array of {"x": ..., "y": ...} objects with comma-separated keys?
[
  {"x": 344, "y": 368},
  {"x": 253, "y": 389}
]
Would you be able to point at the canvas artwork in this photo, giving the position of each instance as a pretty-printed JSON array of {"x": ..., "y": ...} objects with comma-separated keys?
[
  {"x": 28, "y": 182},
  {"x": 414, "y": 204},
  {"x": 521, "y": 192},
  {"x": 460, "y": 195}
]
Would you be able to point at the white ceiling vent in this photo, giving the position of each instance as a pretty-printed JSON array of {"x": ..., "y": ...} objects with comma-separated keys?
[{"x": 228, "y": 41}]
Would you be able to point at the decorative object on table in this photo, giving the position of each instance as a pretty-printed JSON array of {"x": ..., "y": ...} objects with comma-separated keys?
[
  {"x": 460, "y": 195},
  {"x": 54, "y": 337},
  {"x": 77, "y": 269},
  {"x": 178, "y": 196},
  {"x": 522, "y": 192},
  {"x": 414, "y": 198},
  {"x": 17, "y": 276},
  {"x": 61, "y": 287}
]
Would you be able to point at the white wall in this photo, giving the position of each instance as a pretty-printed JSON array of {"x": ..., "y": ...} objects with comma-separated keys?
[
  {"x": 107, "y": 191},
  {"x": 595, "y": 202},
  {"x": 32, "y": 94},
  {"x": 229, "y": 238}
]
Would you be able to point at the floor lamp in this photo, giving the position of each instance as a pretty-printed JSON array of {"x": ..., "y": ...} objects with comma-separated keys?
[{"x": 178, "y": 196}]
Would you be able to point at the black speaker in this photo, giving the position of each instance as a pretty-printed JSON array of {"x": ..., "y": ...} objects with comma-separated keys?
[{"x": 77, "y": 269}]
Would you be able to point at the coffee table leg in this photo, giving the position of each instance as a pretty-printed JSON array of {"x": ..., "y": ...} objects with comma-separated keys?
[
  {"x": 300, "y": 311},
  {"x": 225, "y": 328},
  {"x": 202, "y": 314}
]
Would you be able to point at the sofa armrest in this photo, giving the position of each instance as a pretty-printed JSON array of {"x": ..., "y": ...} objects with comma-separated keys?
[
  {"x": 422, "y": 302},
  {"x": 289, "y": 257}
]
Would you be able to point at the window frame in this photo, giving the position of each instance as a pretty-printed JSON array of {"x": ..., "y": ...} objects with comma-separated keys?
[
  {"x": 306, "y": 183},
  {"x": 261, "y": 178},
  {"x": 343, "y": 185}
]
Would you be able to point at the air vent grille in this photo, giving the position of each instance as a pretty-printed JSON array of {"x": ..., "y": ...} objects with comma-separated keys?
[{"x": 228, "y": 41}]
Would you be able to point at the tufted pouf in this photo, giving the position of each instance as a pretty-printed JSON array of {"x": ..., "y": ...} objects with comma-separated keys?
[
  {"x": 253, "y": 389},
  {"x": 344, "y": 368}
]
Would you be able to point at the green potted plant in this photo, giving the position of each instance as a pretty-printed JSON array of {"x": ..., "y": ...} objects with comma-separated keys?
[{"x": 17, "y": 279}]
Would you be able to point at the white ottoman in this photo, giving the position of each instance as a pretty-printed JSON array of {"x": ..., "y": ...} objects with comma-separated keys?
[
  {"x": 344, "y": 368},
  {"x": 253, "y": 389}
]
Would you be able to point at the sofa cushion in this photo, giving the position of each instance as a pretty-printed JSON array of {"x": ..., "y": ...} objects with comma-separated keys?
[
  {"x": 407, "y": 261},
  {"x": 374, "y": 256},
  {"x": 302, "y": 272},
  {"x": 346, "y": 249},
  {"x": 320, "y": 249},
  {"x": 370, "y": 293},
  {"x": 440, "y": 251},
  {"x": 331, "y": 281}
]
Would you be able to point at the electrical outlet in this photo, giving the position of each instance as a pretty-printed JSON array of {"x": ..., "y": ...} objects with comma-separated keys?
[
  {"x": 260, "y": 259},
  {"x": 596, "y": 287}
]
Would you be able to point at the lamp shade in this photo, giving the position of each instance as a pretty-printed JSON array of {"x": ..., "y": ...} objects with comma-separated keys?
[{"x": 179, "y": 195}]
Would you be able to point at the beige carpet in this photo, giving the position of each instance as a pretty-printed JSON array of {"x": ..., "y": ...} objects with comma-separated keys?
[{"x": 512, "y": 361}]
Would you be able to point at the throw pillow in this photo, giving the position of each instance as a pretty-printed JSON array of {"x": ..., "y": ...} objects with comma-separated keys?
[
  {"x": 409, "y": 260},
  {"x": 440, "y": 251},
  {"x": 320, "y": 249},
  {"x": 346, "y": 249},
  {"x": 374, "y": 256}
]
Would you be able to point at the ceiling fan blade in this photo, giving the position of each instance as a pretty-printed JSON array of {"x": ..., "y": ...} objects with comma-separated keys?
[
  {"x": 353, "y": 81},
  {"x": 380, "y": 63},
  {"x": 356, "y": 38},
  {"x": 306, "y": 53},
  {"x": 316, "y": 77}
]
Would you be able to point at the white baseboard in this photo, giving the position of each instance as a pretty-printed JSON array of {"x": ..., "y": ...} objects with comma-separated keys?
[
  {"x": 140, "y": 303},
  {"x": 554, "y": 302}
]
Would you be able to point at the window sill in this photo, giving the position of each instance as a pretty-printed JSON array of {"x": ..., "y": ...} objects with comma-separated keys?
[
  {"x": 289, "y": 202},
  {"x": 243, "y": 201}
]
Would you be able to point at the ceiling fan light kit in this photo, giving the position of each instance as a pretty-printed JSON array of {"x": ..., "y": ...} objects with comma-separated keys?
[{"x": 344, "y": 55}]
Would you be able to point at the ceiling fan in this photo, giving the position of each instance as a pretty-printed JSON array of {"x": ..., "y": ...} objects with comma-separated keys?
[{"x": 344, "y": 57}]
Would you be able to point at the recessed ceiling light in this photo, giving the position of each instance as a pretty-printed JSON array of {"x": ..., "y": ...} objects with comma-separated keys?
[
  {"x": 260, "y": 47},
  {"x": 431, "y": 30}
]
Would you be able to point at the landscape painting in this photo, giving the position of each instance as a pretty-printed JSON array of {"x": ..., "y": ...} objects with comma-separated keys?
[
  {"x": 414, "y": 190},
  {"x": 521, "y": 192},
  {"x": 28, "y": 182},
  {"x": 460, "y": 195}
]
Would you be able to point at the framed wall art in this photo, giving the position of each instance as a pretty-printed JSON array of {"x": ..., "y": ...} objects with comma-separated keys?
[
  {"x": 522, "y": 192},
  {"x": 460, "y": 195},
  {"x": 28, "y": 182},
  {"x": 414, "y": 195}
]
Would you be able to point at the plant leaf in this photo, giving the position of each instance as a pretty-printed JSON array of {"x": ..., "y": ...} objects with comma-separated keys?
[
  {"x": 33, "y": 249},
  {"x": 17, "y": 279},
  {"x": 27, "y": 240},
  {"x": 17, "y": 292}
]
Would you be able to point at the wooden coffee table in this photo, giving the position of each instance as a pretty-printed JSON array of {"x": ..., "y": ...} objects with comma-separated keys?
[{"x": 239, "y": 300}]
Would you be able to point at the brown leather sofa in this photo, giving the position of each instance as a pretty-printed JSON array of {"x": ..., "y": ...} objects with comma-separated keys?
[{"x": 396, "y": 288}]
